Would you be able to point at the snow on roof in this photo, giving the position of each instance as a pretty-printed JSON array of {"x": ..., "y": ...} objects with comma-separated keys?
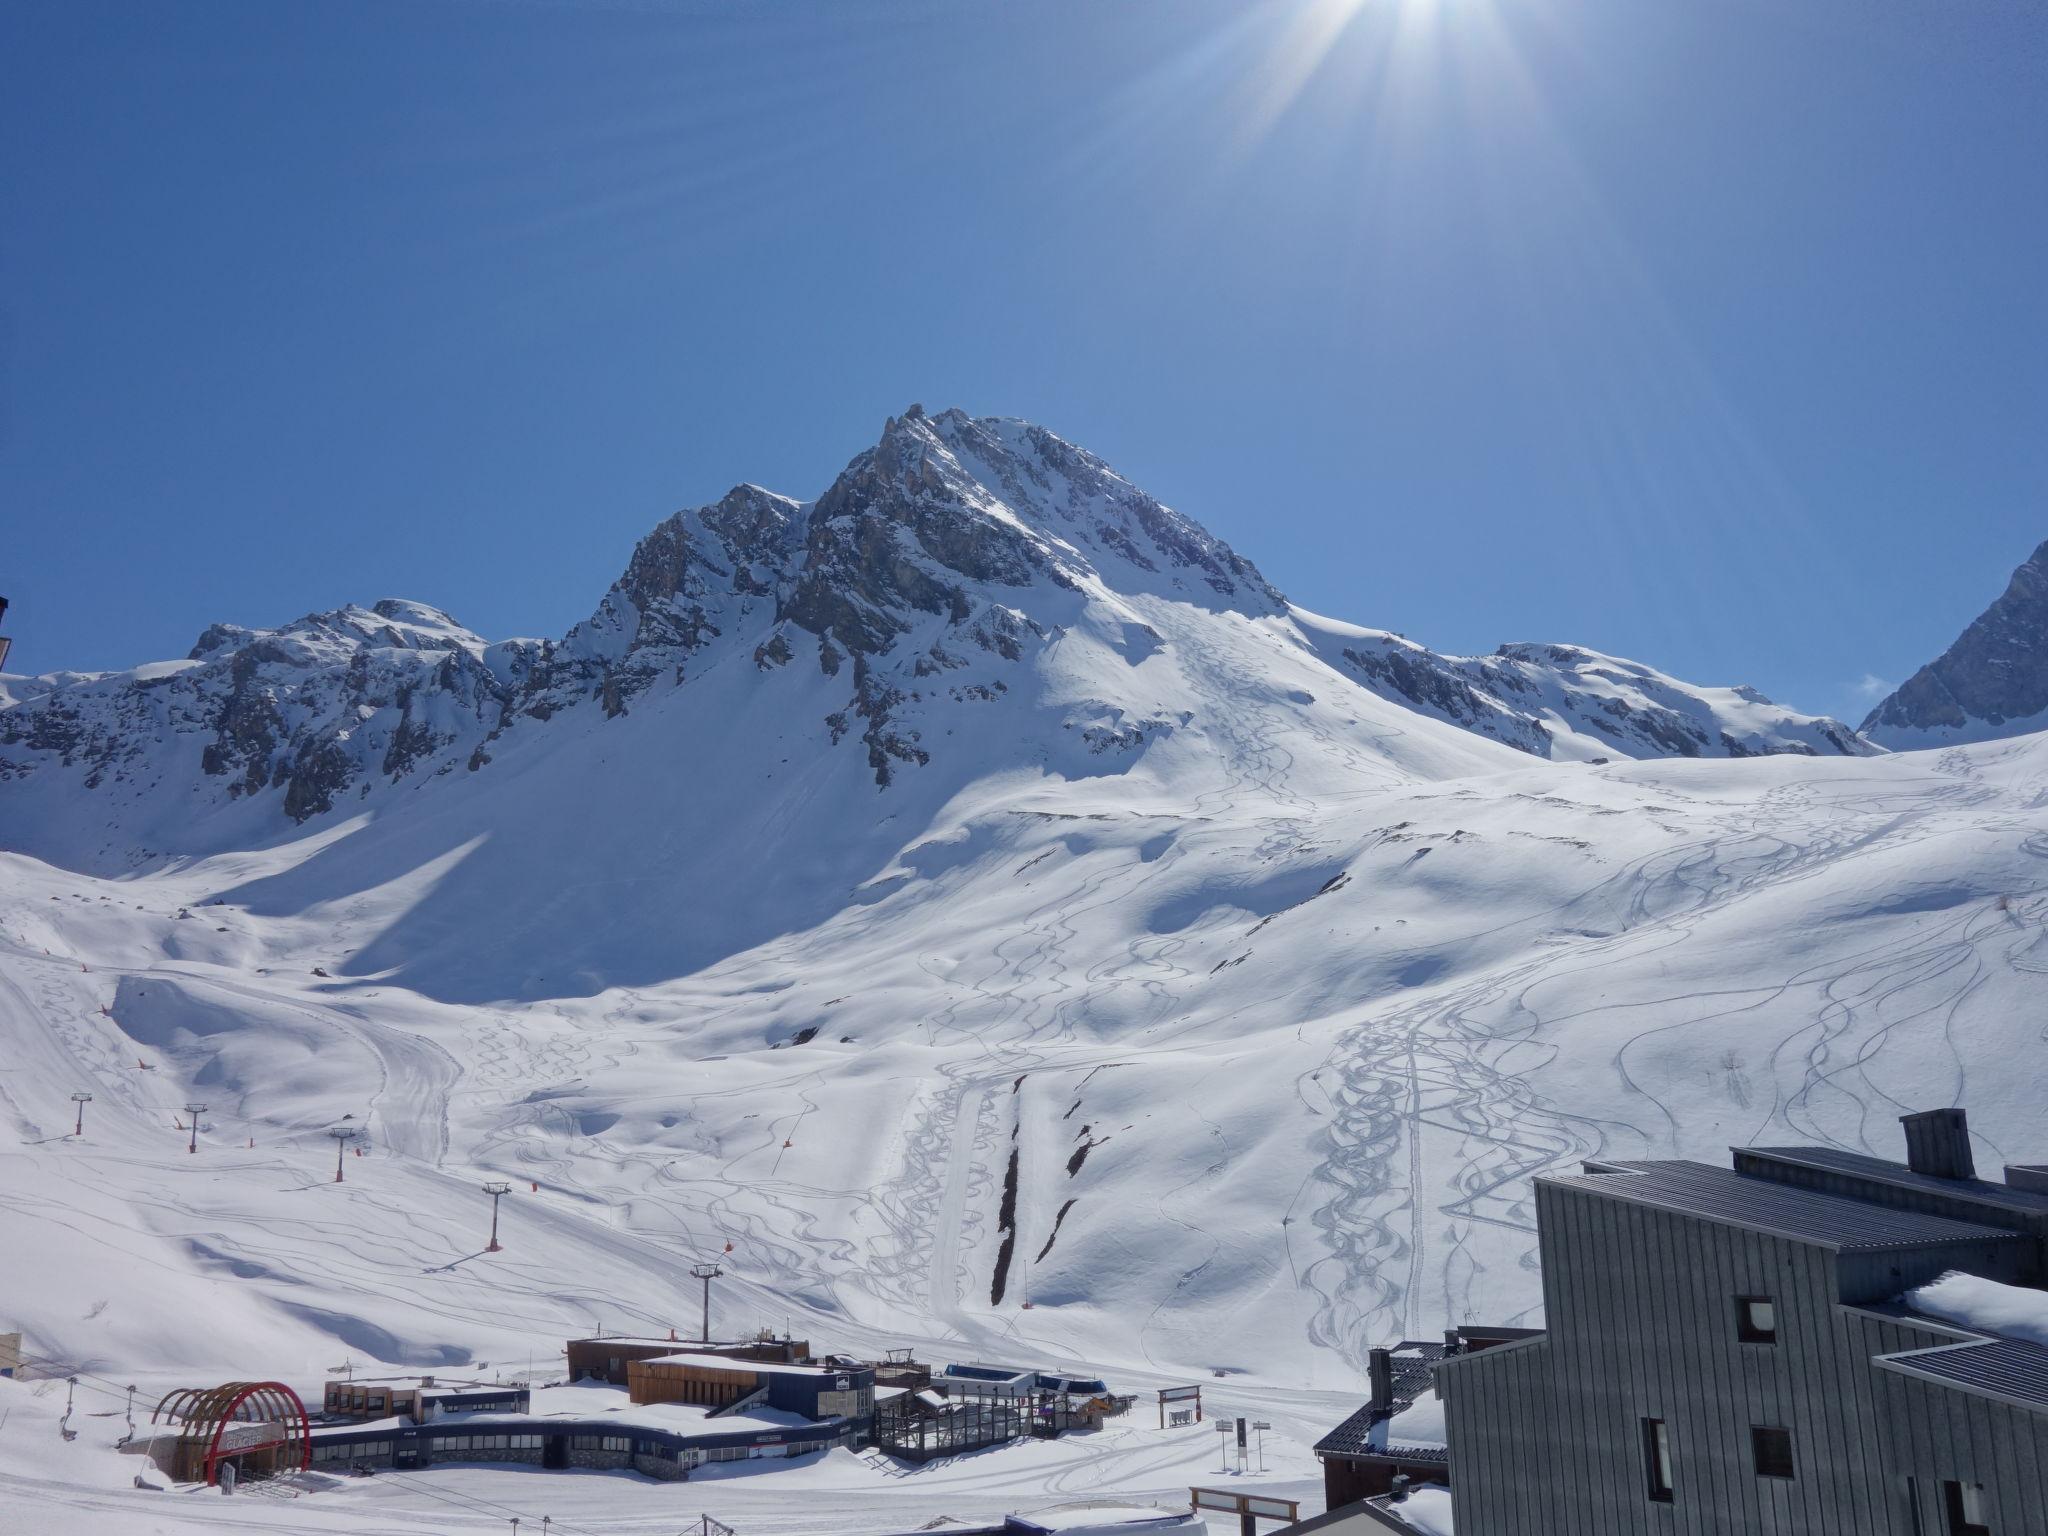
[
  {"x": 1092, "y": 1519},
  {"x": 1428, "y": 1509},
  {"x": 1421, "y": 1423},
  {"x": 1990, "y": 1306},
  {"x": 594, "y": 1402},
  {"x": 759, "y": 1367},
  {"x": 637, "y": 1339}
]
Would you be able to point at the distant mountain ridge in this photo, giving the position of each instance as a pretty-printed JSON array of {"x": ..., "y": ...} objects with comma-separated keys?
[
  {"x": 1992, "y": 683},
  {"x": 943, "y": 563},
  {"x": 1567, "y": 702}
]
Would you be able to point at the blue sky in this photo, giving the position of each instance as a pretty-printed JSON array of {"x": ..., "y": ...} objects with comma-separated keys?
[{"x": 1710, "y": 334}]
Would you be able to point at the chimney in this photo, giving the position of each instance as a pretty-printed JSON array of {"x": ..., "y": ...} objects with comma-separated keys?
[
  {"x": 1379, "y": 1371},
  {"x": 1938, "y": 1144},
  {"x": 1454, "y": 1343}
]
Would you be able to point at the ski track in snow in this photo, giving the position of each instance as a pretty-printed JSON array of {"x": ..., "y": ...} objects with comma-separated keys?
[{"x": 1321, "y": 1016}]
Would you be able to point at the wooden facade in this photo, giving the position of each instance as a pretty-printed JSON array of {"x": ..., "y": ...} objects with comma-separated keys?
[
  {"x": 608, "y": 1359},
  {"x": 659, "y": 1381}
]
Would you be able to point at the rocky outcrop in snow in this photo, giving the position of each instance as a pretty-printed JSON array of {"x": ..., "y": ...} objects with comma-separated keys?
[
  {"x": 1563, "y": 701},
  {"x": 1992, "y": 682},
  {"x": 304, "y": 711}
]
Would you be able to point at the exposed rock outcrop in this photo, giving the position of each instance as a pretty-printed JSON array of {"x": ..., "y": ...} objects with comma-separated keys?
[{"x": 1992, "y": 682}]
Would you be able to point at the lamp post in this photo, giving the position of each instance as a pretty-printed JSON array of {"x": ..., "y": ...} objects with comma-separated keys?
[
  {"x": 496, "y": 1191},
  {"x": 343, "y": 1135},
  {"x": 81, "y": 1100},
  {"x": 195, "y": 1111},
  {"x": 707, "y": 1273}
]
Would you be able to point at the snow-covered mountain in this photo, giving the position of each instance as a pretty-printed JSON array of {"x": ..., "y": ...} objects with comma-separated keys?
[
  {"x": 1992, "y": 683},
  {"x": 975, "y": 886},
  {"x": 1569, "y": 703},
  {"x": 952, "y": 562}
]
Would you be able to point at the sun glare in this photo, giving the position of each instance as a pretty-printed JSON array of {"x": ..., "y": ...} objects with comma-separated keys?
[{"x": 1315, "y": 36}]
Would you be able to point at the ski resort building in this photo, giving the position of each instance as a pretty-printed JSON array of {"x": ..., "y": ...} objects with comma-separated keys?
[
  {"x": 425, "y": 1401},
  {"x": 607, "y": 1358},
  {"x": 240, "y": 1429},
  {"x": 841, "y": 1389},
  {"x": 587, "y": 1425},
  {"x": 1809, "y": 1343}
]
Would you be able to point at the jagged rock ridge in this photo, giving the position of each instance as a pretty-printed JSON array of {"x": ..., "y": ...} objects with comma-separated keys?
[
  {"x": 1992, "y": 682},
  {"x": 1564, "y": 701}
]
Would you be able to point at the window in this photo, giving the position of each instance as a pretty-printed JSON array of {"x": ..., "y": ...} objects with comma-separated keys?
[
  {"x": 1657, "y": 1459},
  {"x": 1967, "y": 1512},
  {"x": 1756, "y": 1320},
  {"x": 1772, "y": 1448}
]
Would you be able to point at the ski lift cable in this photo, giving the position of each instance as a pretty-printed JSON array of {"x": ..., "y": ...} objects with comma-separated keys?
[
  {"x": 65, "y": 1367},
  {"x": 478, "y": 1505}
]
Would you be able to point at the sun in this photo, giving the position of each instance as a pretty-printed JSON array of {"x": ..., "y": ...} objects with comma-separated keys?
[{"x": 1312, "y": 34}]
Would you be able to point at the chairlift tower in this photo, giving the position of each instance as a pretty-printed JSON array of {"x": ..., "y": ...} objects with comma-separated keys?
[
  {"x": 195, "y": 1111},
  {"x": 497, "y": 1191},
  {"x": 707, "y": 1273},
  {"x": 81, "y": 1100},
  {"x": 343, "y": 1135}
]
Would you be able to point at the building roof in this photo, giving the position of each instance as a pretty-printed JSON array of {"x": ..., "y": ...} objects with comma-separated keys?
[
  {"x": 757, "y": 1367},
  {"x": 1883, "y": 1170},
  {"x": 974, "y": 1370},
  {"x": 1778, "y": 1210},
  {"x": 1353, "y": 1437},
  {"x": 639, "y": 1340},
  {"x": 2011, "y": 1370},
  {"x": 1412, "y": 1363}
]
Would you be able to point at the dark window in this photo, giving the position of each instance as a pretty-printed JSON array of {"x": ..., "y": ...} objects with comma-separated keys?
[
  {"x": 1657, "y": 1459},
  {"x": 1756, "y": 1320},
  {"x": 1772, "y": 1449},
  {"x": 1966, "y": 1509}
]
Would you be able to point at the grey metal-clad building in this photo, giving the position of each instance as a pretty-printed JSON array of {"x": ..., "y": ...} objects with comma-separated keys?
[{"x": 1725, "y": 1352}]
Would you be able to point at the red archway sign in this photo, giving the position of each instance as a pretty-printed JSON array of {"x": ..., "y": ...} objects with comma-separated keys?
[{"x": 215, "y": 1409}]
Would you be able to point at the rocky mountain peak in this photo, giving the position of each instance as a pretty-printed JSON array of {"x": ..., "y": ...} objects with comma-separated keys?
[
  {"x": 1992, "y": 682},
  {"x": 911, "y": 603}
]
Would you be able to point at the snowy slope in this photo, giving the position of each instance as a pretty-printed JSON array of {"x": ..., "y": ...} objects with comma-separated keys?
[{"x": 1085, "y": 874}]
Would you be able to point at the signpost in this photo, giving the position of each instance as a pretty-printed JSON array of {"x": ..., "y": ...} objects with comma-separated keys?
[{"x": 1177, "y": 1395}]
